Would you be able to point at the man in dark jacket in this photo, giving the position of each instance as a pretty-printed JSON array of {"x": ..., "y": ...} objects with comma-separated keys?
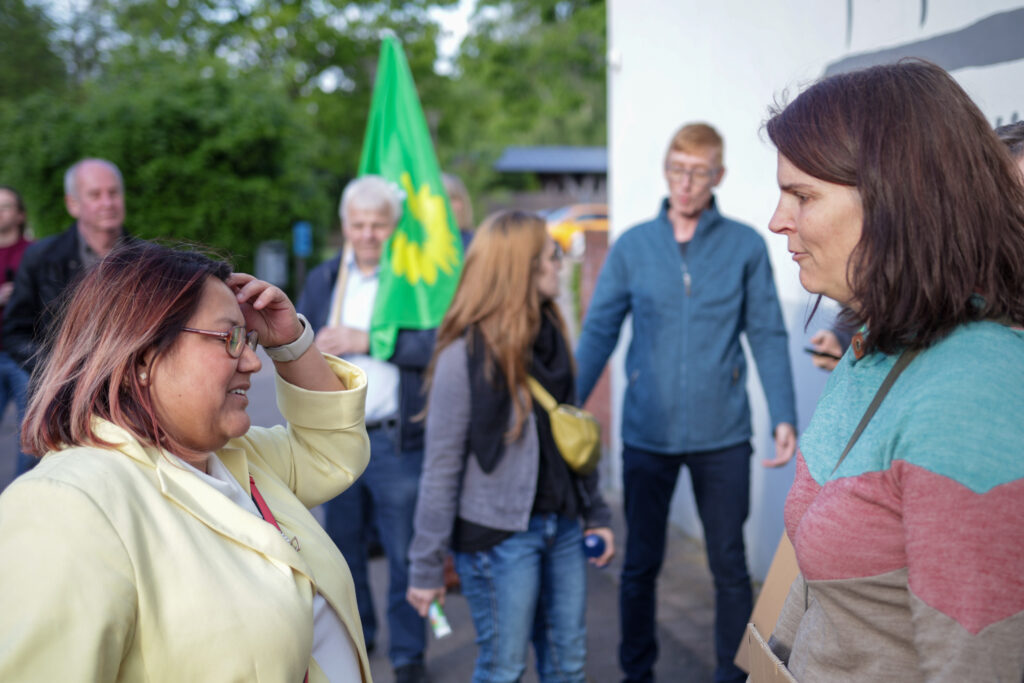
[
  {"x": 94, "y": 196},
  {"x": 338, "y": 300}
]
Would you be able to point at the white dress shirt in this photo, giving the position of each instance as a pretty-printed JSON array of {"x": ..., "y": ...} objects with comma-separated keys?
[{"x": 356, "y": 312}]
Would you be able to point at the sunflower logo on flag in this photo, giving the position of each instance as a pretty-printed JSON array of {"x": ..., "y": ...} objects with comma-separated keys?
[{"x": 439, "y": 251}]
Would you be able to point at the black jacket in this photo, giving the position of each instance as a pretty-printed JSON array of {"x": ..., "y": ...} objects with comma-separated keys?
[{"x": 47, "y": 269}]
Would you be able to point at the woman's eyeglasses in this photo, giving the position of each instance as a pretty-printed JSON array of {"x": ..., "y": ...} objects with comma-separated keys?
[
  {"x": 558, "y": 254},
  {"x": 234, "y": 340}
]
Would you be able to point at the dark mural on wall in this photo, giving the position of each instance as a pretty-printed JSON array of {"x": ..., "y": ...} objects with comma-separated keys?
[
  {"x": 849, "y": 18},
  {"x": 996, "y": 39}
]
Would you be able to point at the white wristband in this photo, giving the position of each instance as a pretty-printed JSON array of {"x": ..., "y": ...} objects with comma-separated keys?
[{"x": 289, "y": 352}]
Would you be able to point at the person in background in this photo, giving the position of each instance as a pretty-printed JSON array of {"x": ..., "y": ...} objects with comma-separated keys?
[
  {"x": 495, "y": 488},
  {"x": 462, "y": 206},
  {"x": 908, "y": 534},
  {"x": 161, "y": 538},
  {"x": 13, "y": 243},
  {"x": 94, "y": 196},
  {"x": 338, "y": 299},
  {"x": 832, "y": 343},
  {"x": 836, "y": 340},
  {"x": 694, "y": 282},
  {"x": 1012, "y": 135}
]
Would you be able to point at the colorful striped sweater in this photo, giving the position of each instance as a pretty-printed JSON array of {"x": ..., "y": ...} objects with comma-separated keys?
[{"x": 912, "y": 553}]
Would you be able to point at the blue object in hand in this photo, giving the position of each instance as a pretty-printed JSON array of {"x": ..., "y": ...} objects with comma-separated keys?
[{"x": 593, "y": 545}]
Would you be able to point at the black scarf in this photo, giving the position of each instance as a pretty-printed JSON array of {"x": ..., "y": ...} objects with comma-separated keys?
[{"x": 491, "y": 402}]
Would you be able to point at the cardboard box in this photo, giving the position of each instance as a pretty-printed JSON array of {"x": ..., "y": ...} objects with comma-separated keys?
[
  {"x": 781, "y": 574},
  {"x": 765, "y": 667}
]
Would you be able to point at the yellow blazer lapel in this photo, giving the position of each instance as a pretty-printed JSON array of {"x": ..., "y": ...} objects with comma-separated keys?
[
  {"x": 225, "y": 517},
  {"x": 206, "y": 504}
]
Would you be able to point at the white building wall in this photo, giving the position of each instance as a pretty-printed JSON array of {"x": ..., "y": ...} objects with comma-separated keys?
[{"x": 675, "y": 61}]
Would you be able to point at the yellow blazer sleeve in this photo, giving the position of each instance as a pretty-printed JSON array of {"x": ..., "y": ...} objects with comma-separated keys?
[
  {"x": 67, "y": 593},
  {"x": 324, "y": 447}
]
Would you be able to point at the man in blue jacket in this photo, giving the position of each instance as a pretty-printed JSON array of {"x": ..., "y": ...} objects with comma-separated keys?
[
  {"x": 693, "y": 281},
  {"x": 338, "y": 300}
]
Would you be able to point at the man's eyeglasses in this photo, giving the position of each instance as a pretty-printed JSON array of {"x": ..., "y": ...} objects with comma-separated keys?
[
  {"x": 234, "y": 340},
  {"x": 699, "y": 176}
]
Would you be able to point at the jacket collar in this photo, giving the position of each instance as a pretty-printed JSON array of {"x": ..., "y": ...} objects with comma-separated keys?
[
  {"x": 709, "y": 217},
  {"x": 209, "y": 506}
]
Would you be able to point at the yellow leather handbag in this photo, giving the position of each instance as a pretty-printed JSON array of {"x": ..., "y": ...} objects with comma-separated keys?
[{"x": 577, "y": 434}]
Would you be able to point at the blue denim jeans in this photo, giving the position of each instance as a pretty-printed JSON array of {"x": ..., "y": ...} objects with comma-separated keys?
[
  {"x": 14, "y": 387},
  {"x": 721, "y": 486},
  {"x": 391, "y": 481},
  {"x": 531, "y": 586}
]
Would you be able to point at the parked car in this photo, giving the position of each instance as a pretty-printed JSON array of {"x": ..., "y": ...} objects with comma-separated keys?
[{"x": 567, "y": 224}]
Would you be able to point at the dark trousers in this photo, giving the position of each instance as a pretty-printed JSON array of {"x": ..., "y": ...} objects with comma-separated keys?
[
  {"x": 391, "y": 480},
  {"x": 721, "y": 486}
]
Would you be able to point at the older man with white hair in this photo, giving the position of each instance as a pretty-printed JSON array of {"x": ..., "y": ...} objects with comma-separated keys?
[{"x": 338, "y": 300}]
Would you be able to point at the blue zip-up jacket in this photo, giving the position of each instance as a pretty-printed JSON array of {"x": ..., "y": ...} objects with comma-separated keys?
[
  {"x": 413, "y": 350},
  {"x": 685, "y": 367}
]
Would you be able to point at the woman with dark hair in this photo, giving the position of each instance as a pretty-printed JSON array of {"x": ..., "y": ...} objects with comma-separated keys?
[
  {"x": 161, "y": 537},
  {"x": 907, "y": 512},
  {"x": 495, "y": 487}
]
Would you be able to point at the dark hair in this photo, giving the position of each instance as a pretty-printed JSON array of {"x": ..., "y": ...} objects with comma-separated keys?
[
  {"x": 20, "y": 202},
  {"x": 942, "y": 201},
  {"x": 1012, "y": 135},
  {"x": 148, "y": 293}
]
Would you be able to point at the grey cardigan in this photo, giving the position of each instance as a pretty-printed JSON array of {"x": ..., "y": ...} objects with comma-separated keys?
[{"x": 453, "y": 484}]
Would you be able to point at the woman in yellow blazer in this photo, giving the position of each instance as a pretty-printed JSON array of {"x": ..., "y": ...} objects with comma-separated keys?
[{"x": 161, "y": 538}]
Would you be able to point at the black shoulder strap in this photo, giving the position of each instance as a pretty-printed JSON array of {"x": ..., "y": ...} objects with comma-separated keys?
[{"x": 901, "y": 363}]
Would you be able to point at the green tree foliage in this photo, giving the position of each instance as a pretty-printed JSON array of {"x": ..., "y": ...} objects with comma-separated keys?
[
  {"x": 230, "y": 119},
  {"x": 233, "y": 118},
  {"x": 530, "y": 72},
  {"x": 27, "y": 62},
  {"x": 225, "y": 161}
]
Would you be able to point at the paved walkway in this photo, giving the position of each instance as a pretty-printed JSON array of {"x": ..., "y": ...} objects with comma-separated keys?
[
  {"x": 685, "y": 616},
  {"x": 685, "y": 608}
]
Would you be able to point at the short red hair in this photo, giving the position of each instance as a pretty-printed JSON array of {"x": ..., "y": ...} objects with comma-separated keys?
[{"x": 697, "y": 137}]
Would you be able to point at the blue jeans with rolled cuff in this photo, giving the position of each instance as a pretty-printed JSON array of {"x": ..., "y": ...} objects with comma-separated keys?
[
  {"x": 721, "y": 487},
  {"x": 529, "y": 587}
]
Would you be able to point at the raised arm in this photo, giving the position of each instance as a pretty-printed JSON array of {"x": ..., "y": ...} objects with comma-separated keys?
[
  {"x": 268, "y": 310},
  {"x": 324, "y": 447}
]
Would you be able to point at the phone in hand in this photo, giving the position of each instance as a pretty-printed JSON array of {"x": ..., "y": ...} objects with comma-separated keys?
[{"x": 824, "y": 354}]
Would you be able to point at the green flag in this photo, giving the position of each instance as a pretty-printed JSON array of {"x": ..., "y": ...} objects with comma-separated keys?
[{"x": 420, "y": 266}]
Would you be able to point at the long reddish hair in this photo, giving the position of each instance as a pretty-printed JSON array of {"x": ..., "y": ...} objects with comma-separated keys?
[
  {"x": 497, "y": 295},
  {"x": 136, "y": 300}
]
